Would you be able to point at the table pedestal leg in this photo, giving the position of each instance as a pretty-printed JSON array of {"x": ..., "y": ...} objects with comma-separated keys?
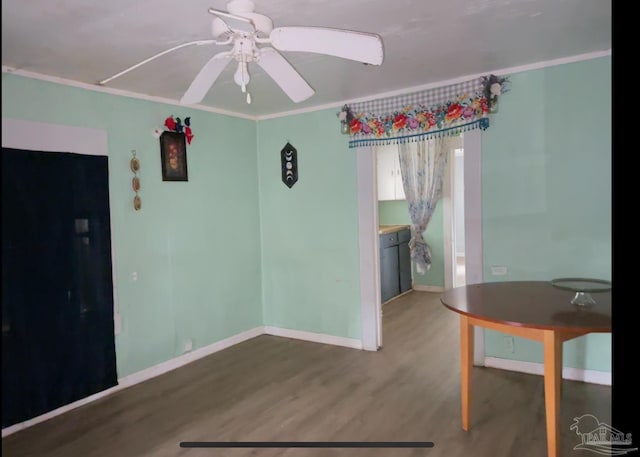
[
  {"x": 466, "y": 365},
  {"x": 552, "y": 383}
]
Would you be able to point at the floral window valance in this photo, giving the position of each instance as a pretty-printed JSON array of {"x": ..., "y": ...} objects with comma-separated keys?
[{"x": 447, "y": 110}]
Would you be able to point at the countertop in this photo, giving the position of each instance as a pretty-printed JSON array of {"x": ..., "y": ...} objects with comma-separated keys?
[{"x": 383, "y": 229}]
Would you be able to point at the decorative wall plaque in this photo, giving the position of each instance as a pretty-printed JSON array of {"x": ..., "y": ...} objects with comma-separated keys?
[
  {"x": 289, "y": 162},
  {"x": 135, "y": 182}
]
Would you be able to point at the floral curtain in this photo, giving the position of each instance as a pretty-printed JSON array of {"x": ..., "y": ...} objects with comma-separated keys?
[
  {"x": 422, "y": 124},
  {"x": 443, "y": 111},
  {"x": 422, "y": 165}
]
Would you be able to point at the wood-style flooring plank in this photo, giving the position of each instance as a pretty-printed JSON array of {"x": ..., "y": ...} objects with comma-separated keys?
[{"x": 278, "y": 389}]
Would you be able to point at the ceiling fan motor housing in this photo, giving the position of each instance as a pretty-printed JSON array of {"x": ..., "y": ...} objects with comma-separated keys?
[
  {"x": 243, "y": 8},
  {"x": 245, "y": 50}
]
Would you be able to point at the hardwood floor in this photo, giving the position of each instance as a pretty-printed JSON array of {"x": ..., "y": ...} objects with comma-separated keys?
[{"x": 278, "y": 389}]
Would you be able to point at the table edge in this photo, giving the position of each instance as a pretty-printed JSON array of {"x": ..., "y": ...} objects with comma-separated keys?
[{"x": 531, "y": 326}]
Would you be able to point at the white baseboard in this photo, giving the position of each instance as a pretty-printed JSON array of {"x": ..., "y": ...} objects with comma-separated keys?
[
  {"x": 314, "y": 337},
  {"x": 421, "y": 288},
  {"x": 188, "y": 357},
  {"x": 141, "y": 376},
  {"x": 184, "y": 359},
  {"x": 574, "y": 374}
]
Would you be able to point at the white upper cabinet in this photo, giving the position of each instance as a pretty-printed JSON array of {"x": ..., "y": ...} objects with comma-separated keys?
[{"x": 389, "y": 176}]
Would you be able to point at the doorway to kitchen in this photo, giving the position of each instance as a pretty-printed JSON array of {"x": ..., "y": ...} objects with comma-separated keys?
[
  {"x": 445, "y": 233},
  {"x": 369, "y": 245}
]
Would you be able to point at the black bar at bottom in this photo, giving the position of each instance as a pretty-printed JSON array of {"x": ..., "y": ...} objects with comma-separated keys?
[{"x": 306, "y": 444}]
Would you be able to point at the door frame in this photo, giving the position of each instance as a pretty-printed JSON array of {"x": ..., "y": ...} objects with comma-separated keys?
[
  {"x": 448, "y": 216},
  {"x": 472, "y": 163},
  {"x": 368, "y": 241},
  {"x": 369, "y": 247},
  {"x": 40, "y": 136}
]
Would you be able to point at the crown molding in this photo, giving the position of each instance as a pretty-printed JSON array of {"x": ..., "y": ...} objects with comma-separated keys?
[
  {"x": 120, "y": 92},
  {"x": 408, "y": 90}
]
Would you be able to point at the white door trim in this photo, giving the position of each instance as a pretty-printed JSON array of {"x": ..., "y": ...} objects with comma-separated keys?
[
  {"x": 473, "y": 223},
  {"x": 448, "y": 212},
  {"x": 368, "y": 244},
  {"x": 40, "y": 136}
]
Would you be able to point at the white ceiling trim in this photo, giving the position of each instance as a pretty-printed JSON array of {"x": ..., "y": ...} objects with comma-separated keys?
[
  {"x": 503, "y": 71},
  {"x": 119, "y": 92},
  {"x": 124, "y": 93}
]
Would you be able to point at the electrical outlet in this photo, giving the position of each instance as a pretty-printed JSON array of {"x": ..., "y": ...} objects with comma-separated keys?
[
  {"x": 188, "y": 345},
  {"x": 134, "y": 275},
  {"x": 508, "y": 344},
  {"x": 498, "y": 270}
]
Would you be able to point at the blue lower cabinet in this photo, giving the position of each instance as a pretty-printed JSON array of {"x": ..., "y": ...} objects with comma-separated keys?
[
  {"x": 404, "y": 266},
  {"x": 395, "y": 264},
  {"x": 389, "y": 272}
]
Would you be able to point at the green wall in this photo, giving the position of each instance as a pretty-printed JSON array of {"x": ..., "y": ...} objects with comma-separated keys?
[
  {"x": 310, "y": 259},
  {"x": 394, "y": 212},
  {"x": 195, "y": 245},
  {"x": 234, "y": 248},
  {"x": 546, "y": 190}
]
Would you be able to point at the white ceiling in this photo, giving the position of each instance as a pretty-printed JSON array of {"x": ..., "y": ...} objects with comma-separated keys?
[{"x": 424, "y": 42}]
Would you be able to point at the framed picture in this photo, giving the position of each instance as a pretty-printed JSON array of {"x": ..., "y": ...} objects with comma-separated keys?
[{"x": 173, "y": 152}]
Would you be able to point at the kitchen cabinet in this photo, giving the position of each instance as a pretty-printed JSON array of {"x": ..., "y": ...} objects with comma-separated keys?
[
  {"x": 389, "y": 176},
  {"x": 389, "y": 266},
  {"x": 395, "y": 262},
  {"x": 404, "y": 260}
]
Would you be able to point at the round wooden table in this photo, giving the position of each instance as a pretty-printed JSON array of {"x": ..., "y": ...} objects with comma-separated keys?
[{"x": 529, "y": 309}]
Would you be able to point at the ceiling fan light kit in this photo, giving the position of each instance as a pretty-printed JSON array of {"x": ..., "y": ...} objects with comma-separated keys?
[{"x": 244, "y": 29}]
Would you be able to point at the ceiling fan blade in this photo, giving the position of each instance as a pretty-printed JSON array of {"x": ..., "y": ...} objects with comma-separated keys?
[
  {"x": 205, "y": 78},
  {"x": 234, "y": 22},
  {"x": 363, "y": 47},
  {"x": 289, "y": 80}
]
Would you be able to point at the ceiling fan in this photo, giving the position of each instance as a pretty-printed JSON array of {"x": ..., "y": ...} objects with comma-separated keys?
[{"x": 254, "y": 40}]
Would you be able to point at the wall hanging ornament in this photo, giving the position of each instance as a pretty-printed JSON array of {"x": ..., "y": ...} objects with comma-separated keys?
[
  {"x": 289, "y": 163},
  {"x": 346, "y": 117},
  {"x": 493, "y": 87},
  {"x": 172, "y": 124},
  {"x": 173, "y": 153},
  {"x": 135, "y": 182}
]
